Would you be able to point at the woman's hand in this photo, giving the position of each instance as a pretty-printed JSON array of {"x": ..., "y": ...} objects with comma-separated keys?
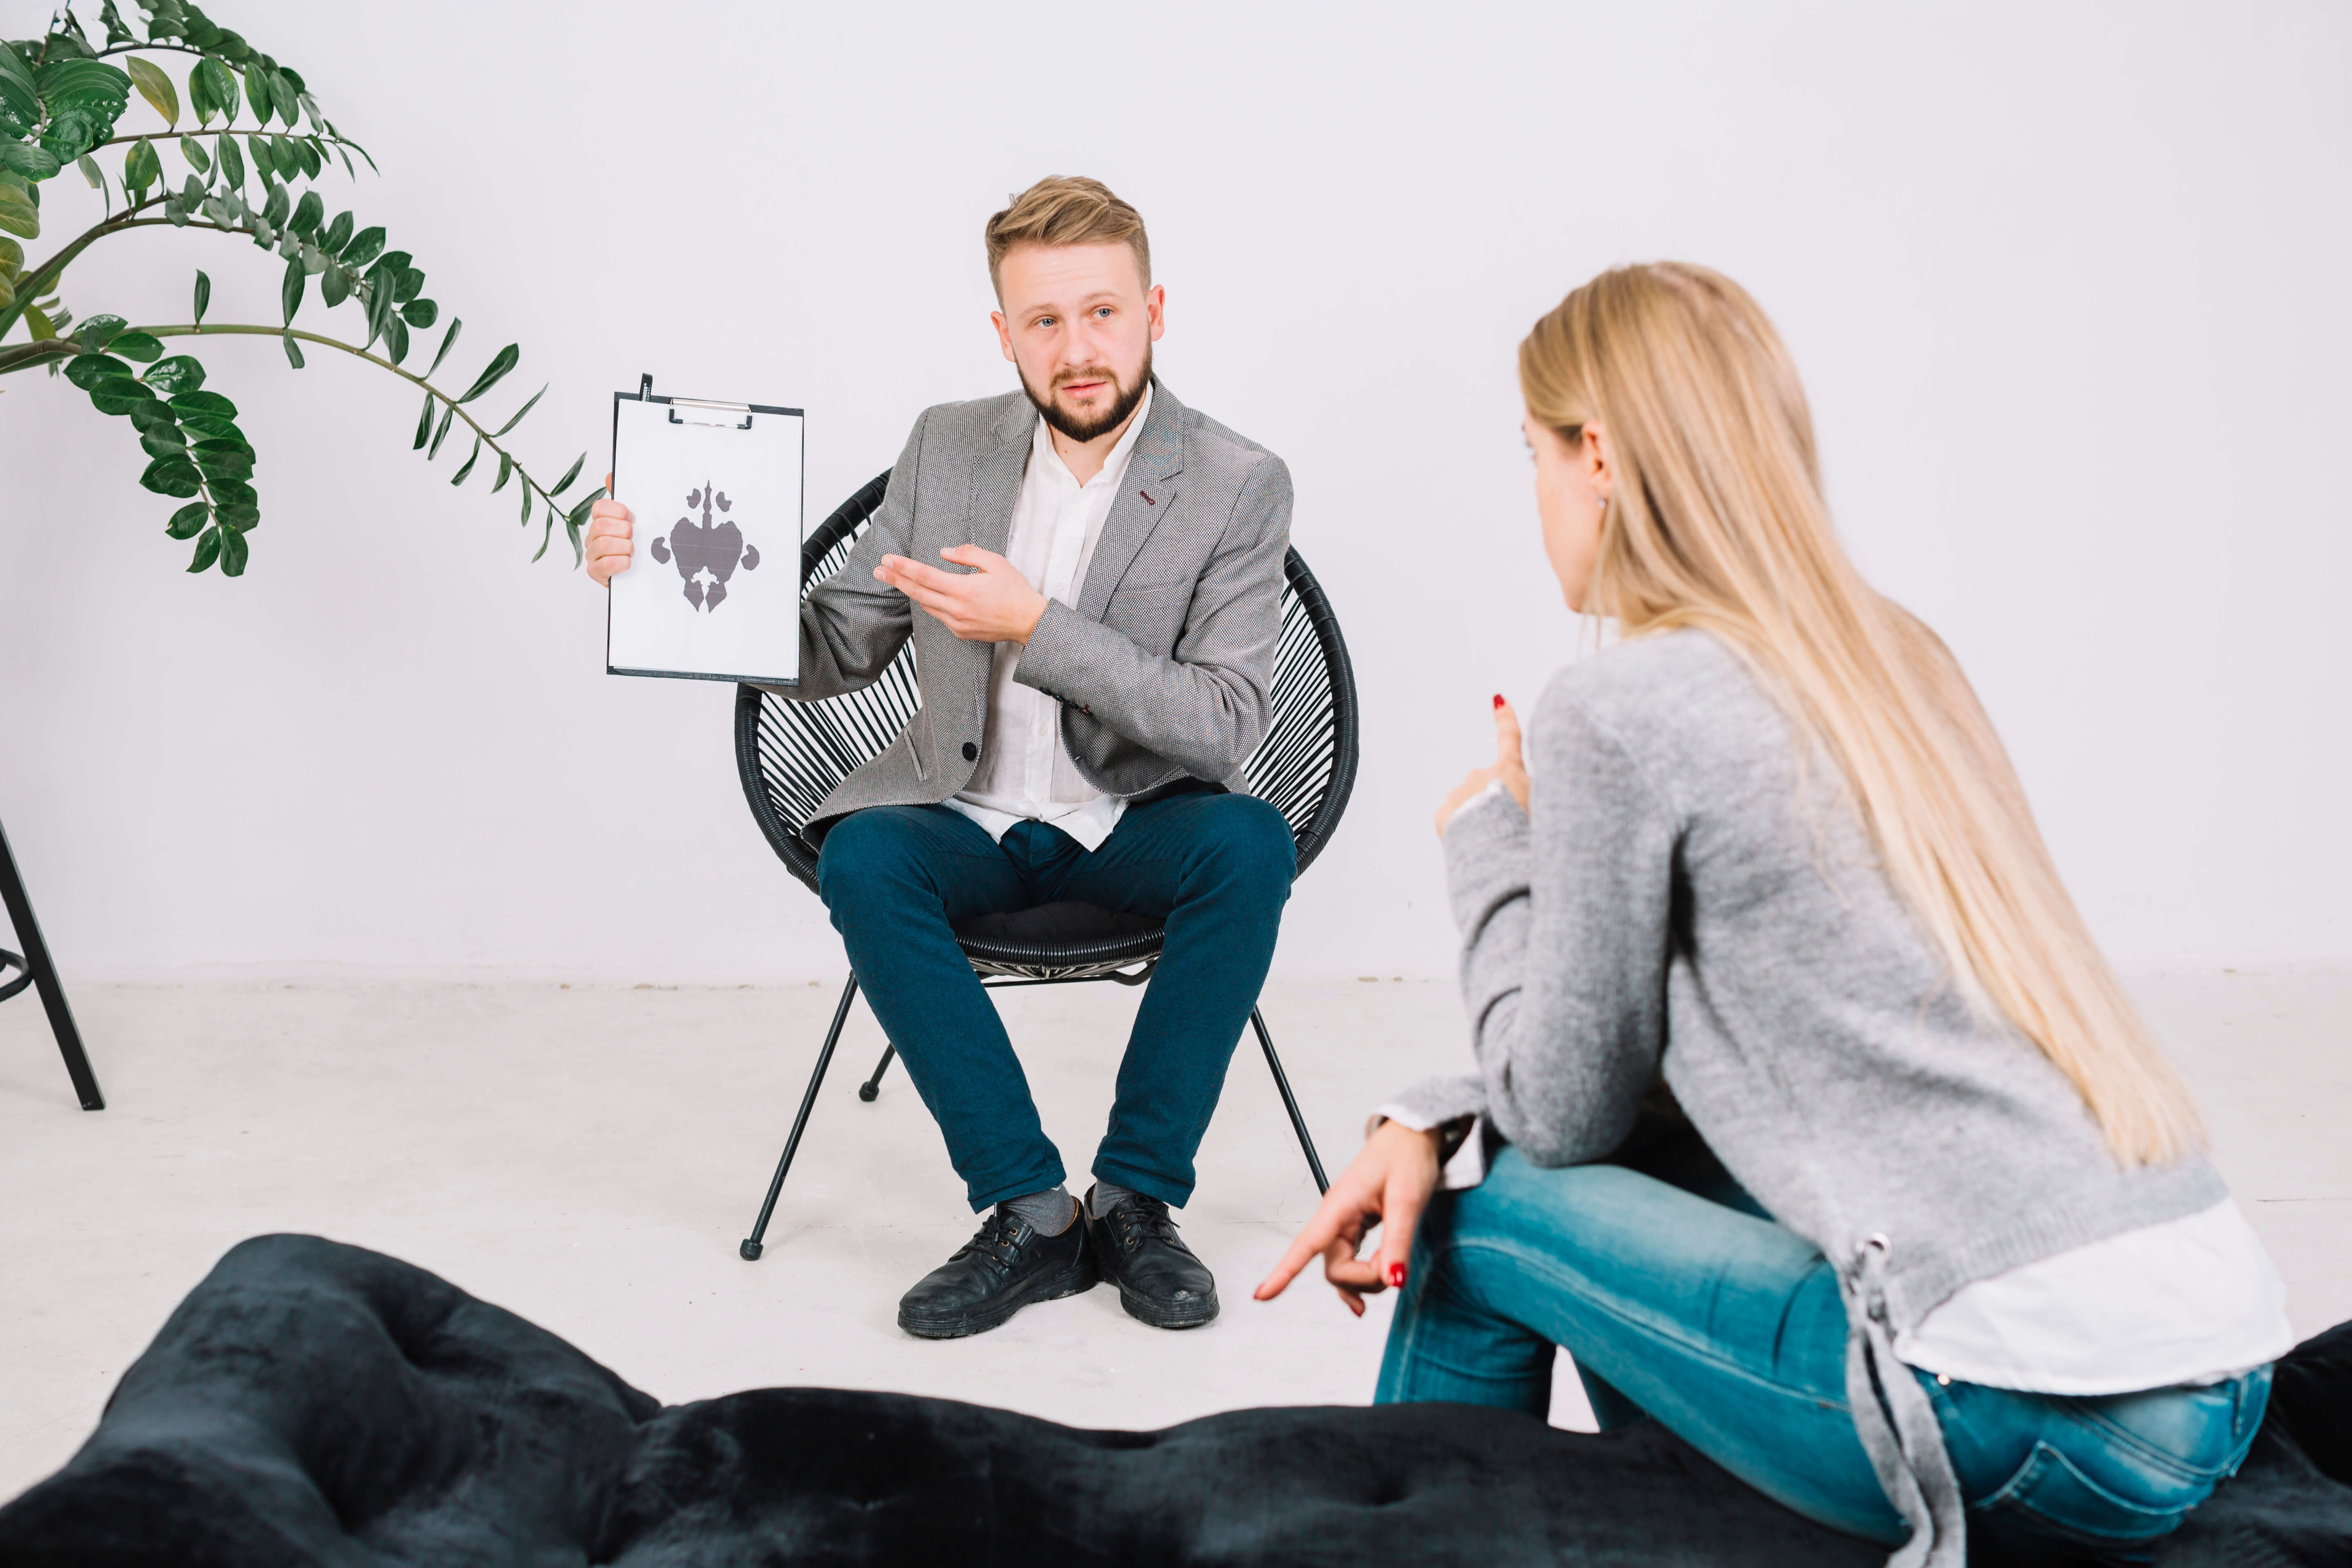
[
  {"x": 1389, "y": 1185},
  {"x": 1507, "y": 768}
]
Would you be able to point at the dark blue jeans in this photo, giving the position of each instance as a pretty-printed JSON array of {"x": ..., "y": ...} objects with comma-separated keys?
[
  {"x": 1216, "y": 868},
  {"x": 1701, "y": 1311}
]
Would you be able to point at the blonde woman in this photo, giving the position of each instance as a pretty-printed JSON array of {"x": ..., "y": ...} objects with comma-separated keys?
[{"x": 1808, "y": 1116}]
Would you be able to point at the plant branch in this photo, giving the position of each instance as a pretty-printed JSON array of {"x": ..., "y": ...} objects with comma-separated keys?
[
  {"x": 21, "y": 356},
  {"x": 42, "y": 279},
  {"x": 207, "y": 330},
  {"x": 222, "y": 130}
]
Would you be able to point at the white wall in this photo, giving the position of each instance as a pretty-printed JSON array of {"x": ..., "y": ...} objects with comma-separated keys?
[{"x": 2066, "y": 281}]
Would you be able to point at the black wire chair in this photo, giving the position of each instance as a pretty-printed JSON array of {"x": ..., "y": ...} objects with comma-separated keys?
[{"x": 790, "y": 755}]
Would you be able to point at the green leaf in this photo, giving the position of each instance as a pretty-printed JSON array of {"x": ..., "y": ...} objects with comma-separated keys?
[
  {"x": 20, "y": 109},
  {"x": 149, "y": 414},
  {"x": 283, "y": 153},
  {"x": 280, "y": 203},
  {"x": 90, "y": 172},
  {"x": 448, "y": 342},
  {"x": 232, "y": 161},
  {"x": 12, "y": 257},
  {"x": 99, "y": 331},
  {"x": 204, "y": 295},
  {"x": 220, "y": 87},
  {"x": 505, "y": 473},
  {"x": 225, "y": 459},
  {"x": 364, "y": 248},
  {"x": 547, "y": 535},
  {"x": 7, "y": 290},
  {"x": 337, "y": 235},
  {"x": 306, "y": 149},
  {"x": 233, "y": 552},
  {"x": 442, "y": 434},
  {"x": 308, "y": 213},
  {"x": 171, "y": 377},
  {"x": 257, "y": 91},
  {"x": 396, "y": 339},
  {"x": 228, "y": 493},
  {"x": 208, "y": 549},
  {"x": 208, "y": 402},
  {"x": 525, "y": 487},
  {"x": 293, "y": 351},
  {"x": 23, "y": 158},
  {"x": 424, "y": 425},
  {"x": 520, "y": 413},
  {"x": 334, "y": 285},
  {"x": 194, "y": 151},
  {"x": 18, "y": 215},
  {"x": 412, "y": 284},
  {"x": 144, "y": 347},
  {"x": 88, "y": 370},
  {"x": 570, "y": 474},
  {"x": 211, "y": 426},
  {"x": 471, "y": 458},
  {"x": 141, "y": 168},
  {"x": 155, "y": 87},
  {"x": 189, "y": 520},
  {"x": 200, "y": 95},
  {"x": 164, "y": 440},
  {"x": 281, "y": 94},
  {"x": 495, "y": 372},
  {"x": 420, "y": 315},
  {"x": 174, "y": 476},
  {"x": 573, "y": 521},
  {"x": 289, "y": 290},
  {"x": 239, "y": 514},
  {"x": 119, "y": 397}
]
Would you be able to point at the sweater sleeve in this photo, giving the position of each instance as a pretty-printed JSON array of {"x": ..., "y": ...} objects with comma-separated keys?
[{"x": 1565, "y": 915}]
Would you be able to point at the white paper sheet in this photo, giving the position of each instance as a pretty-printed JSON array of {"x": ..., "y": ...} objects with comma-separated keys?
[{"x": 712, "y": 588}]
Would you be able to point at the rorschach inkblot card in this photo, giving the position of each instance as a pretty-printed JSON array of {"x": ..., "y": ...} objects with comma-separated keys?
[{"x": 712, "y": 592}]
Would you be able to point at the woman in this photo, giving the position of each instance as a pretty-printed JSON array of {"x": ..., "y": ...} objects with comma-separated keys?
[{"x": 1936, "y": 1248}]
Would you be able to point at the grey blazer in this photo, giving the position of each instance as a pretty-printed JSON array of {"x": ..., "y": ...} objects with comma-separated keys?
[{"x": 1162, "y": 667}]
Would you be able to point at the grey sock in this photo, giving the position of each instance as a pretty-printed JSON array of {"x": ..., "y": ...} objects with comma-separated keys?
[
  {"x": 1049, "y": 1212},
  {"x": 1109, "y": 1195}
]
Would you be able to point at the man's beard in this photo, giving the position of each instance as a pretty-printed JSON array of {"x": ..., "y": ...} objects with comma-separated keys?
[{"x": 1083, "y": 430}]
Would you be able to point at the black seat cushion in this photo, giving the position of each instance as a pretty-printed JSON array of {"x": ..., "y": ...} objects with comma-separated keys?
[
  {"x": 314, "y": 1404},
  {"x": 1056, "y": 926}
]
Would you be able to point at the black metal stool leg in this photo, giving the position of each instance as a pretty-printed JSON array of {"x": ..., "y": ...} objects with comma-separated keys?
[
  {"x": 751, "y": 1247},
  {"x": 1297, "y": 1123},
  {"x": 43, "y": 974},
  {"x": 873, "y": 1086}
]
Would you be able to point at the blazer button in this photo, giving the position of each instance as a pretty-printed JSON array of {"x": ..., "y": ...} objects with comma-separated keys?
[{"x": 970, "y": 750}]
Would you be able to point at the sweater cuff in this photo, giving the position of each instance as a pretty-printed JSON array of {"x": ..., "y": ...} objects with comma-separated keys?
[{"x": 1487, "y": 848}]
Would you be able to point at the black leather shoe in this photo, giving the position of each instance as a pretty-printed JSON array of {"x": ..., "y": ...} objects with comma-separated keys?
[
  {"x": 1159, "y": 1281},
  {"x": 1002, "y": 1269}
]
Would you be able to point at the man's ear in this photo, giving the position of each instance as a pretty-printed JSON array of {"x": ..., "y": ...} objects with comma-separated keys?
[
  {"x": 1155, "y": 309},
  {"x": 1003, "y": 335}
]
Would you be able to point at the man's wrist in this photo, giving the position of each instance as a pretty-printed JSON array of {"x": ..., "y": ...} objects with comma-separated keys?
[{"x": 1029, "y": 627}]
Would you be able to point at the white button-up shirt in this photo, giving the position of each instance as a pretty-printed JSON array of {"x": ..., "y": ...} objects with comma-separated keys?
[{"x": 1024, "y": 771}]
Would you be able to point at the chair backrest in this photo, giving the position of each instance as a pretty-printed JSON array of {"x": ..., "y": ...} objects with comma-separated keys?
[{"x": 790, "y": 755}]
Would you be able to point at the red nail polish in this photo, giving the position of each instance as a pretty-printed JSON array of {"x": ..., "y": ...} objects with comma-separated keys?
[
  {"x": 1498, "y": 699},
  {"x": 1396, "y": 1275}
]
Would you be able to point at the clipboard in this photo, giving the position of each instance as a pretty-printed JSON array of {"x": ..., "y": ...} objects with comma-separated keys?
[{"x": 718, "y": 492}]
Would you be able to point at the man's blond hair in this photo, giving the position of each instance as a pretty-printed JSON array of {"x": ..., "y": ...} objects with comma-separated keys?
[{"x": 1066, "y": 209}]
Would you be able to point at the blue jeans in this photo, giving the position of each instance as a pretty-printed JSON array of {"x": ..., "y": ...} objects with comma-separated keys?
[
  {"x": 1680, "y": 1299},
  {"x": 1216, "y": 868}
]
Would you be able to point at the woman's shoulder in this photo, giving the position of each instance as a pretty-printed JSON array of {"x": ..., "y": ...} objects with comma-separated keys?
[{"x": 1659, "y": 690}]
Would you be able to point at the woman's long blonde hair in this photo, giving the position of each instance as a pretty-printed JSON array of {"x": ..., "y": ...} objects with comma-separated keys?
[{"x": 1715, "y": 519}]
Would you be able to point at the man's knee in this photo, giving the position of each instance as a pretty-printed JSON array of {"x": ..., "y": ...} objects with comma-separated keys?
[
  {"x": 870, "y": 850},
  {"x": 1252, "y": 843}
]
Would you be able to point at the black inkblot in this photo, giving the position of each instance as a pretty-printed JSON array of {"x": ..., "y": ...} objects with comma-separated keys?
[{"x": 706, "y": 547}]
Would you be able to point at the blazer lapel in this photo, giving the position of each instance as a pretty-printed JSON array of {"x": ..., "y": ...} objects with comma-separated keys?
[
  {"x": 1144, "y": 497},
  {"x": 996, "y": 478}
]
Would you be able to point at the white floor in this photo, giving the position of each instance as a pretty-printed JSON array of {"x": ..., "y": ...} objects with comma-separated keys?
[{"x": 590, "y": 1157}]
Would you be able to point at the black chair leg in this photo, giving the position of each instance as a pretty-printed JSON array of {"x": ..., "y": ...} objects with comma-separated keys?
[
  {"x": 1297, "y": 1123},
  {"x": 39, "y": 972},
  {"x": 873, "y": 1086},
  {"x": 751, "y": 1246}
]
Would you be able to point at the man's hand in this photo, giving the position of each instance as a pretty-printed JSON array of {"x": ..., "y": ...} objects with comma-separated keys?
[
  {"x": 1389, "y": 1184},
  {"x": 991, "y": 604},
  {"x": 1507, "y": 768},
  {"x": 608, "y": 537}
]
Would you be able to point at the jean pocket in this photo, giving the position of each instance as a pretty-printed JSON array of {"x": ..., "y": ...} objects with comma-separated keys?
[{"x": 2054, "y": 1491}]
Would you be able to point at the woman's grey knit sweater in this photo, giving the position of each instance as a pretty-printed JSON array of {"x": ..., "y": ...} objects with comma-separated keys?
[{"x": 1689, "y": 894}]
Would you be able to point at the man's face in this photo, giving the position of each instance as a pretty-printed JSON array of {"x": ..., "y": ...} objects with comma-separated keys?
[{"x": 1078, "y": 324}]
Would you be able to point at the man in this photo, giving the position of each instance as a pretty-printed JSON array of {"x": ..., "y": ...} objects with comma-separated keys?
[{"x": 1091, "y": 573}]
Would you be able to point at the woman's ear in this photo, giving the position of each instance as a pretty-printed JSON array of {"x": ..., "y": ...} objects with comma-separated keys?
[{"x": 1594, "y": 456}]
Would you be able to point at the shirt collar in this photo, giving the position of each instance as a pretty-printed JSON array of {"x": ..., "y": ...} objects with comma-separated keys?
[{"x": 1041, "y": 442}]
